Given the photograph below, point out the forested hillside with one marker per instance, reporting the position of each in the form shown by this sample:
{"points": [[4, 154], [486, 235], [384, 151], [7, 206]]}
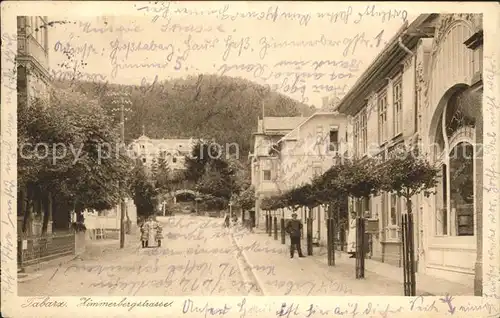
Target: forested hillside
{"points": [[204, 106]]}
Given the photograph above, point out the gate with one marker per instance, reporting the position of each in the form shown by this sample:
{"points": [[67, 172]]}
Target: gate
{"points": [[408, 255]]}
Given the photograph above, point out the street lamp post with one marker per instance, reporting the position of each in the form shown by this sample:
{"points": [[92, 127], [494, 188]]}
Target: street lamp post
{"points": [[121, 99]]}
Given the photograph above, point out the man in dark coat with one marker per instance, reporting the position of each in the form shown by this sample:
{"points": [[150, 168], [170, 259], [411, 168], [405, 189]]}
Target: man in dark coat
{"points": [[294, 229]]}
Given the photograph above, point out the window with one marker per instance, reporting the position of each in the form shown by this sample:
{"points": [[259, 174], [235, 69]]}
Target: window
{"points": [[267, 175], [142, 146], [394, 210], [334, 139], [317, 171], [382, 117], [355, 135], [363, 137], [319, 134], [360, 133], [174, 159], [144, 160], [398, 108], [455, 192], [362, 207], [442, 215]]}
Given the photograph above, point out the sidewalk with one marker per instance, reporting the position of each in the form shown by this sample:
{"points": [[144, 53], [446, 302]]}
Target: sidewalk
{"points": [[278, 274], [426, 285], [380, 279], [94, 249]]}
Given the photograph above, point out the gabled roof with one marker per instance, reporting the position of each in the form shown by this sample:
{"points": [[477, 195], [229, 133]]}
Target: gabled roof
{"points": [[180, 144], [408, 35], [281, 123], [293, 134]]}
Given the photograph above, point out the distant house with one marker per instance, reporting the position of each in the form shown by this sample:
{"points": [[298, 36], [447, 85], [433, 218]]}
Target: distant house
{"points": [[264, 166], [307, 151], [148, 150]]}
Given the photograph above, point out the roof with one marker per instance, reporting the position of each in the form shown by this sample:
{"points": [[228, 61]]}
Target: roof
{"points": [[166, 143], [390, 54], [293, 134], [282, 123]]}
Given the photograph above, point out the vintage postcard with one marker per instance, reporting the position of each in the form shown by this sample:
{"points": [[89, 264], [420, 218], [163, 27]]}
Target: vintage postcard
{"points": [[250, 159]]}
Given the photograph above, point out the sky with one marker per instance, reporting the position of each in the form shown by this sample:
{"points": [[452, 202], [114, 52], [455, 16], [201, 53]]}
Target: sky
{"points": [[305, 50]]}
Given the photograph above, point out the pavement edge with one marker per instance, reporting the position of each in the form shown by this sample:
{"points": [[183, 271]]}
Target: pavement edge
{"points": [[240, 253]]}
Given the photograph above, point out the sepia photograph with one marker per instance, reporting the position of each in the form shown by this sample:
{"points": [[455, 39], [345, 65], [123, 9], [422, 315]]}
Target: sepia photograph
{"points": [[249, 149]]}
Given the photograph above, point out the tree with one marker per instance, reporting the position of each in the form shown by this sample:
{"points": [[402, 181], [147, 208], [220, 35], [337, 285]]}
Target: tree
{"points": [[360, 178], [143, 191], [163, 176], [409, 175], [216, 183], [80, 164], [246, 199], [196, 162]]}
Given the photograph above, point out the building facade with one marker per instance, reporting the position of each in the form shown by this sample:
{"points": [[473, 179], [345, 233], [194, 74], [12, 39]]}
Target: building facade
{"points": [[425, 89], [264, 166], [32, 58], [306, 152], [172, 151]]}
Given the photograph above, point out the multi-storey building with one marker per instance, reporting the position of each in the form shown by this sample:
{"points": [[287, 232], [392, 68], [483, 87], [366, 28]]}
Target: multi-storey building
{"points": [[32, 57], [306, 152], [172, 151], [264, 166], [425, 89]]}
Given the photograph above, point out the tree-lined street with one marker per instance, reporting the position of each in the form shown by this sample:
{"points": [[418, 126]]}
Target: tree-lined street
{"points": [[200, 258]]}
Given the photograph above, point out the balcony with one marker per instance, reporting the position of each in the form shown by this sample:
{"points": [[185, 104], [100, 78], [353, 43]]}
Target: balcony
{"points": [[28, 48]]}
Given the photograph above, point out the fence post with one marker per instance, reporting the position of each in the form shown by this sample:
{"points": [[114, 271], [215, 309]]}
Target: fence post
{"points": [[267, 221], [283, 234], [360, 247], [275, 227], [334, 235], [412, 255], [270, 233], [404, 246], [329, 241], [309, 233]]}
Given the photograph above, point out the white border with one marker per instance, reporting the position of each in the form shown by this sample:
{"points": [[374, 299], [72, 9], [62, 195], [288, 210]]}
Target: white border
{"points": [[12, 306]]}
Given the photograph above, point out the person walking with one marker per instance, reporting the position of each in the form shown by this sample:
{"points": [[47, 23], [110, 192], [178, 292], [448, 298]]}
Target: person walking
{"points": [[294, 229]]}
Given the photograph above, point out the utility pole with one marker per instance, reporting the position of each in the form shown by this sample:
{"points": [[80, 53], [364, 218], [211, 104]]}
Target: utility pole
{"points": [[122, 98]]}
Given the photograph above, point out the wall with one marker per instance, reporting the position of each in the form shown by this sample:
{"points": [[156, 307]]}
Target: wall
{"points": [[301, 157], [450, 65]]}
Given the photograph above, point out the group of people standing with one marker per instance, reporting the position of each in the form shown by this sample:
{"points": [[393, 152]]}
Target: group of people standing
{"points": [[151, 231]]}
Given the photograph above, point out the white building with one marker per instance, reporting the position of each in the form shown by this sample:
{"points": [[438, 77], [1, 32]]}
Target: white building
{"points": [[425, 88], [269, 131], [172, 151], [33, 79], [308, 151]]}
